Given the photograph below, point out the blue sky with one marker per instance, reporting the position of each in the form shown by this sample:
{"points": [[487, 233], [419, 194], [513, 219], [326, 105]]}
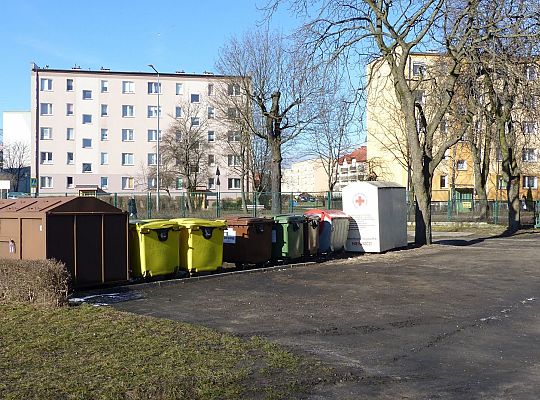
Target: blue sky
{"points": [[118, 34]]}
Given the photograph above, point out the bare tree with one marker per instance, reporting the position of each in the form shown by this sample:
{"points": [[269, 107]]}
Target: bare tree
{"points": [[277, 84], [391, 32], [16, 157], [182, 151]]}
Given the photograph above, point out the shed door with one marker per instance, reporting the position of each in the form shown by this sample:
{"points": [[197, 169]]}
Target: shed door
{"points": [[33, 239], [88, 233], [9, 230], [60, 241]]}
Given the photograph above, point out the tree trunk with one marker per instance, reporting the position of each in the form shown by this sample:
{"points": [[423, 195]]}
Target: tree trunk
{"points": [[275, 148], [422, 194], [514, 208]]}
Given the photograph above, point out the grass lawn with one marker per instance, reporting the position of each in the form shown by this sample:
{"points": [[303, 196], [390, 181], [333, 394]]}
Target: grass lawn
{"points": [[98, 353]]}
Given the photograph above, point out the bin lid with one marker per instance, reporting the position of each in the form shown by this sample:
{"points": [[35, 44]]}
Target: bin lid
{"points": [[284, 218], [155, 224], [326, 215], [239, 220], [337, 214], [196, 222]]}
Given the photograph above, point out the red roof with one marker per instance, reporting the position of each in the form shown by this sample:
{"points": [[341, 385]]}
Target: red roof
{"points": [[360, 155]]}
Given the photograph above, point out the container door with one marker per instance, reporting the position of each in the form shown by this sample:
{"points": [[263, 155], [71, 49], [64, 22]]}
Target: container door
{"points": [[115, 260], [88, 236], [9, 238], [60, 241], [33, 239]]}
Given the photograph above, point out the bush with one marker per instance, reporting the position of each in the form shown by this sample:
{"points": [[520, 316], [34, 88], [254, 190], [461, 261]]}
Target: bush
{"points": [[38, 282]]}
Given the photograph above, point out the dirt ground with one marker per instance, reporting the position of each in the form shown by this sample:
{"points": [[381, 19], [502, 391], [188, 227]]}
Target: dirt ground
{"points": [[456, 320]]}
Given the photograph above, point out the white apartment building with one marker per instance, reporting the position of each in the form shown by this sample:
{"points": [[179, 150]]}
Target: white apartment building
{"points": [[100, 128], [305, 176]]}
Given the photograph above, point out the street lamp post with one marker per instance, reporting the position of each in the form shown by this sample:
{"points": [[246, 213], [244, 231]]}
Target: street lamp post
{"points": [[157, 138]]}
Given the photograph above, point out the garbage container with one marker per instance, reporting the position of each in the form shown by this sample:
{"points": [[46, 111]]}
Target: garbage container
{"points": [[311, 235], [201, 244], [153, 247], [248, 240], [288, 236], [333, 229]]}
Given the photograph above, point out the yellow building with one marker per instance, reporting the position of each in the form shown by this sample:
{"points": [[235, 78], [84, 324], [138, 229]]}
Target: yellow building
{"points": [[387, 142]]}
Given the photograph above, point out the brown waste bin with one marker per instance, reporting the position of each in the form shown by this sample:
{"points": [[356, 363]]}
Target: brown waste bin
{"points": [[311, 235], [248, 240]]}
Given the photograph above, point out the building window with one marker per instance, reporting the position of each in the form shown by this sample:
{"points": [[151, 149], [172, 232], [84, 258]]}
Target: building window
{"points": [[46, 182], [529, 128], [127, 135], [195, 98], [104, 86], [233, 89], [104, 110], [195, 121], [210, 89], [104, 135], [443, 126], [232, 113], [179, 183], [127, 158], [501, 183], [418, 69], [128, 87], [127, 182], [211, 136], [529, 182], [87, 95], [152, 159], [45, 84], [45, 133], [127, 111], [87, 167], [211, 183], [104, 159], [461, 165], [154, 87], [46, 157], [87, 118], [104, 182], [233, 183], [69, 182], [420, 97], [87, 143], [233, 160], [443, 181], [530, 73], [179, 88], [529, 155], [153, 111], [152, 135], [69, 85], [45, 109], [69, 109], [69, 159], [70, 134], [151, 183], [211, 160], [211, 112], [178, 112], [233, 136]]}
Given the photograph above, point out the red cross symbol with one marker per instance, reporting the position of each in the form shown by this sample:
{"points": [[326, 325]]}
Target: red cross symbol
{"points": [[360, 200]]}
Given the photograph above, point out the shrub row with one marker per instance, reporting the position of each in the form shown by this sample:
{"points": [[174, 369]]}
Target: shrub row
{"points": [[38, 282]]}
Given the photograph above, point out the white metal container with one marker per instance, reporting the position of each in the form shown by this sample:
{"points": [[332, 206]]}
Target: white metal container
{"points": [[378, 213]]}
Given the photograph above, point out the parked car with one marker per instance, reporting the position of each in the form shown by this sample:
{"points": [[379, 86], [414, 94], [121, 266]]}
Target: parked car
{"points": [[17, 195]]}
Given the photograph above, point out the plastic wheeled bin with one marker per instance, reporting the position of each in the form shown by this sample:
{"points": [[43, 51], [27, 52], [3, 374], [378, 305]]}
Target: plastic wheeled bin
{"points": [[311, 235], [288, 236], [201, 244], [248, 240], [333, 229], [153, 247]]}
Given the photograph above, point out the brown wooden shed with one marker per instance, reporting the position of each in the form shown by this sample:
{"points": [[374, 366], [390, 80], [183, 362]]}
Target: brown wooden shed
{"points": [[87, 234]]}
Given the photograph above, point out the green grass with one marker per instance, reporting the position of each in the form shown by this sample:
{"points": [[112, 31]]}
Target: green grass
{"points": [[99, 353]]}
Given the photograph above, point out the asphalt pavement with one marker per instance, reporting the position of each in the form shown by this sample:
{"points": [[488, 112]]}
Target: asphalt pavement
{"points": [[456, 320]]}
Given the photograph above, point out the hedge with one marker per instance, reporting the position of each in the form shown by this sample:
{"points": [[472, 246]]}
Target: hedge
{"points": [[38, 282]]}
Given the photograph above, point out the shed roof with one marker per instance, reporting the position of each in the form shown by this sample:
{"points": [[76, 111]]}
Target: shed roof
{"points": [[58, 205]]}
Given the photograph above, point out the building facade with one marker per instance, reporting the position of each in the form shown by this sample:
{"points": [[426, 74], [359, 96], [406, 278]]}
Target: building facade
{"points": [[99, 128], [353, 167], [454, 177], [307, 176]]}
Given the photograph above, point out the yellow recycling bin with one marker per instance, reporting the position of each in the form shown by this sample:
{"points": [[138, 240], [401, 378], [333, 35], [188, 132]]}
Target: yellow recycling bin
{"points": [[201, 244], [154, 247]]}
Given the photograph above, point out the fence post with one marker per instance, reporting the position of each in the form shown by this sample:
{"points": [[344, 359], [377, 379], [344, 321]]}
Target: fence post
{"points": [[148, 205], [254, 204], [116, 199], [496, 212], [218, 210], [449, 210], [329, 200]]}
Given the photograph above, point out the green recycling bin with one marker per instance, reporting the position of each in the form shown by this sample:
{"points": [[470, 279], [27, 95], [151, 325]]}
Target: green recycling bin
{"points": [[201, 244], [288, 236], [153, 247]]}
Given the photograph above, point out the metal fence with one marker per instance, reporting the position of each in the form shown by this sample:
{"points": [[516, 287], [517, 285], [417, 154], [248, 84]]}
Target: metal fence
{"points": [[215, 205]]}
